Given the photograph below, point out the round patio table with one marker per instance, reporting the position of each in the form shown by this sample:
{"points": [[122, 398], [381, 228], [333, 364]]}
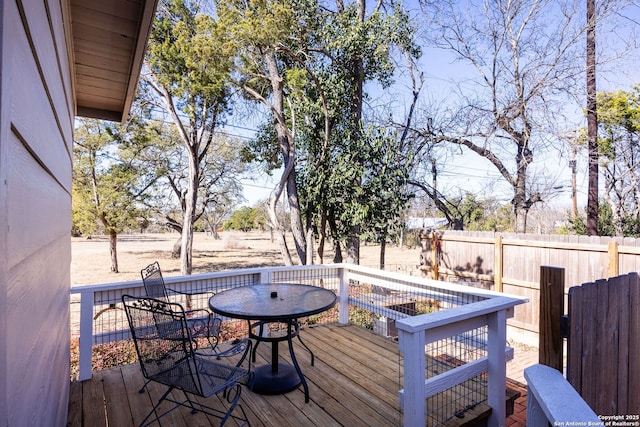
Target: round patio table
{"points": [[263, 304]]}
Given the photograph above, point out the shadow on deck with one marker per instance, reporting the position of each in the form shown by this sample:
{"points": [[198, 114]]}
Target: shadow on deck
{"points": [[354, 382]]}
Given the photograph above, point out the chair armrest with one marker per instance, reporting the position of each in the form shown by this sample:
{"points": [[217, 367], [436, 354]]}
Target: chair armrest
{"points": [[175, 291], [237, 346], [198, 312]]}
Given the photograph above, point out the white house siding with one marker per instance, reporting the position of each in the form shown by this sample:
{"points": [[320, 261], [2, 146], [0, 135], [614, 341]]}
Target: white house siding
{"points": [[36, 126]]}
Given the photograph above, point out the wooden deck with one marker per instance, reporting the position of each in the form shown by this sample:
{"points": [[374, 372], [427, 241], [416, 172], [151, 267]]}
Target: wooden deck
{"points": [[354, 382]]}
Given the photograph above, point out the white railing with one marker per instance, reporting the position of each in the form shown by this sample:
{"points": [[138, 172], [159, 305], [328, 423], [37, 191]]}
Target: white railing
{"points": [[551, 400], [461, 309], [414, 333]]}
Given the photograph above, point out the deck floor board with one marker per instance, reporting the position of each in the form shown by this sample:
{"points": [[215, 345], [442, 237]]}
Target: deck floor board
{"points": [[354, 382]]}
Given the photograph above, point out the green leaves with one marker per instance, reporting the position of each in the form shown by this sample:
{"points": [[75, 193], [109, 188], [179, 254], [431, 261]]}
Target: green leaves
{"points": [[189, 57], [105, 180]]}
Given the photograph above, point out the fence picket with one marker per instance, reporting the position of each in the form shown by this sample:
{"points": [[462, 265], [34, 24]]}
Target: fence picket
{"points": [[574, 344], [589, 343], [621, 297], [634, 345]]}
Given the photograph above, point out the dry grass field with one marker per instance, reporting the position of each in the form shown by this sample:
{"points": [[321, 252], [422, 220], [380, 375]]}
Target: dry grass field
{"points": [[90, 257]]}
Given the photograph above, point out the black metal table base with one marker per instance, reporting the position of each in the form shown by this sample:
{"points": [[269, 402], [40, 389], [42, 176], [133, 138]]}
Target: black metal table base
{"points": [[278, 378], [284, 380]]}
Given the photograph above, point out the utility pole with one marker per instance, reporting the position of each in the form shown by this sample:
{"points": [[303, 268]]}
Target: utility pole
{"points": [[592, 122], [574, 189]]}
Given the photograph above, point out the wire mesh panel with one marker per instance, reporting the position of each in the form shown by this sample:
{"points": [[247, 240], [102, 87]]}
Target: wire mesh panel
{"points": [[325, 277], [445, 355], [376, 304]]}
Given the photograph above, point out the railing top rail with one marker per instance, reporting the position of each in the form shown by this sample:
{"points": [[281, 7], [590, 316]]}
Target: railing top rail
{"points": [[349, 268], [202, 276], [423, 281], [428, 321], [99, 287]]}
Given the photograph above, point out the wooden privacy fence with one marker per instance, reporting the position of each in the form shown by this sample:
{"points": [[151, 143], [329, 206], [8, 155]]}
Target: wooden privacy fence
{"points": [[603, 344], [510, 263]]}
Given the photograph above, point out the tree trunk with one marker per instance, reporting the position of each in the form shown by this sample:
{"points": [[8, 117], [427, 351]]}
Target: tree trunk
{"points": [[383, 248], [287, 148], [357, 67], [521, 219], [353, 245], [177, 248], [592, 122], [297, 229], [337, 257], [186, 249], [113, 241], [322, 235], [276, 230], [309, 249]]}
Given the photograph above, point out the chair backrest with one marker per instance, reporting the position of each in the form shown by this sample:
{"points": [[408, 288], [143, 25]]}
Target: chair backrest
{"points": [[163, 342], [154, 282]]}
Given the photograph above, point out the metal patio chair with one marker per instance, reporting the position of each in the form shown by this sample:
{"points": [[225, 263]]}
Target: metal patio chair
{"points": [[202, 323], [166, 353]]}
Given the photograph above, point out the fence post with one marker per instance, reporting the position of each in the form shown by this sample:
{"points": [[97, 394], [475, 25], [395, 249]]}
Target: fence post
{"points": [[551, 311], [497, 268], [435, 255], [614, 264]]}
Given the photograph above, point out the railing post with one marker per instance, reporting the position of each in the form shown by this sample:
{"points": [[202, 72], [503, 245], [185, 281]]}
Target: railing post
{"points": [[551, 311], [411, 345], [497, 369], [343, 301], [85, 343], [265, 276]]}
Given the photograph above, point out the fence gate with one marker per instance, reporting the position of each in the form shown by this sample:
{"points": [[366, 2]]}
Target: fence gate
{"points": [[603, 346]]}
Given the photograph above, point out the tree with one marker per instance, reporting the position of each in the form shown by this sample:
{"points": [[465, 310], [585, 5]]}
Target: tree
{"points": [[307, 64], [188, 69], [605, 225], [243, 219], [619, 152], [105, 183], [265, 35], [218, 186], [386, 187], [523, 53], [359, 43]]}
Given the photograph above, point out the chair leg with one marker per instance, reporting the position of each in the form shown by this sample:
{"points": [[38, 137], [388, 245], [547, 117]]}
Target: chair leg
{"points": [[244, 356], [233, 397], [193, 408], [143, 386], [154, 410]]}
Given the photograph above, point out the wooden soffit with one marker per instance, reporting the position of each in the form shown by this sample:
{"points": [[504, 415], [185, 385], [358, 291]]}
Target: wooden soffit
{"points": [[109, 42]]}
